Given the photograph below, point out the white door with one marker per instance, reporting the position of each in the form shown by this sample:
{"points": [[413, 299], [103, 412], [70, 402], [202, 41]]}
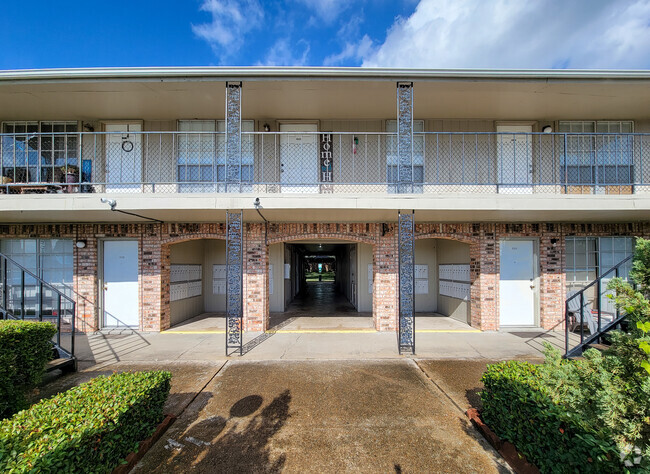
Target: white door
{"points": [[120, 283], [515, 159], [299, 158], [124, 157], [517, 283]]}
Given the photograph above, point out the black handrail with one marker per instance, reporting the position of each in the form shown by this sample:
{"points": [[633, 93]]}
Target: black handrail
{"points": [[41, 284], [600, 330]]}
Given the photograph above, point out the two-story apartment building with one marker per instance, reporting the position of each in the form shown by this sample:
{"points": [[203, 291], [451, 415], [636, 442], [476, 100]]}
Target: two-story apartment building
{"points": [[521, 184]]}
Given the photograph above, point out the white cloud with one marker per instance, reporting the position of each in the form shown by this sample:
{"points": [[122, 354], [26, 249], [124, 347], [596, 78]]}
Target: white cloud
{"points": [[282, 53], [231, 20], [356, 51], [517, 34], [327, 10]]}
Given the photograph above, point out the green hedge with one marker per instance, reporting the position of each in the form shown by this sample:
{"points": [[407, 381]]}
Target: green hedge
{"points": [[26, 348], [90, 428], [518, 407]]}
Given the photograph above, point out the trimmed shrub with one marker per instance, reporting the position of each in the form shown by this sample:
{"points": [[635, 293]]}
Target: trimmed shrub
{"points": [[518, 406], [90, 428], [26, 347]]}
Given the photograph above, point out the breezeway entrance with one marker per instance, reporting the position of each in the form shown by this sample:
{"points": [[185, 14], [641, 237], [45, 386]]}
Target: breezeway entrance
{"points": [[320, 286]]}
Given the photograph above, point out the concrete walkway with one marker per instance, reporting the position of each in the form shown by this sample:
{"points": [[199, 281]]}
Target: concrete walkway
{"points": [[311, 402], [403, 415], [131, 346], [321, 416]]}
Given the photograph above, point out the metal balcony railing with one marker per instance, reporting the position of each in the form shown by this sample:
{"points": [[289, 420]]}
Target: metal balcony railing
{"points": [[325, 162]]}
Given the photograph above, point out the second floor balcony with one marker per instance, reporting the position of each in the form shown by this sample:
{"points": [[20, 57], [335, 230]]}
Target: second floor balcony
{"points": [[320, 162]]}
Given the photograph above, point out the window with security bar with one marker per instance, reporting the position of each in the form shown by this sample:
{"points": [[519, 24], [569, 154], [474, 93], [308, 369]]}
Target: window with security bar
{"points": [[49, 259], [589, 257], [35, 152], [597, 153], [392, 157], [202, 156]]}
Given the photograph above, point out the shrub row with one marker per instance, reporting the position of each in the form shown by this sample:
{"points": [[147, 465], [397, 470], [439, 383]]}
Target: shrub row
{"points": [[518, 406], [26, 347], [90, 428]]}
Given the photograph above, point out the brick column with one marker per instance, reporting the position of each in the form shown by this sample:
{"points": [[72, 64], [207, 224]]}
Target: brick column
{"points": [[552, 278], [255, 284], [85, 282], [386, 281], [485, 278], [152, 294]]}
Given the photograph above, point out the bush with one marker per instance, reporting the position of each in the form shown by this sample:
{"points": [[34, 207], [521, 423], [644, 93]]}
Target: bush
{"points": [[589, 414], [26, 347], [90, 428], [519, 407]]}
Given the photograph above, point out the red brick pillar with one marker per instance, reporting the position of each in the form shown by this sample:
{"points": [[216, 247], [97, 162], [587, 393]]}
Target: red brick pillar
{"points": [[255, 284], [385, 290], [85, 281], [485, 279], [552, 279], [152, 292]]}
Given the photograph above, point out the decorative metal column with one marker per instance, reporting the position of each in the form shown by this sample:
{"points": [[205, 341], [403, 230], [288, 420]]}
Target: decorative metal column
{"points": [[404, 137], [234, 282], [233, 136], [406, 256]]}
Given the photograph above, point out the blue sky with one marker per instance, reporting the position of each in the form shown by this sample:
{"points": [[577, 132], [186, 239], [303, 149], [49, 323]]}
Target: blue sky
{"points": [[379, 33]]}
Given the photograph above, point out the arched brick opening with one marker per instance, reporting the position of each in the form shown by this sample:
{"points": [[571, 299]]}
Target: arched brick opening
{"points": [[165, 266], [329, 236], [473, 242]]}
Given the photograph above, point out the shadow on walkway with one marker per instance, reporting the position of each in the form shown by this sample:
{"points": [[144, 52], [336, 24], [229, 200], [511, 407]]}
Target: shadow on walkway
{"points": [[208, 447]]}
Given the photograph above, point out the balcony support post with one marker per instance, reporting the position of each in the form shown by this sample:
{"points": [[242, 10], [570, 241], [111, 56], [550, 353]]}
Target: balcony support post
{"points": [[233, 176], [234, 281], [405, 137], [406, 258]]}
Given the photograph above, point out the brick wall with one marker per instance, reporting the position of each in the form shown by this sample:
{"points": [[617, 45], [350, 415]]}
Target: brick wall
{"points": [[155, 241]]}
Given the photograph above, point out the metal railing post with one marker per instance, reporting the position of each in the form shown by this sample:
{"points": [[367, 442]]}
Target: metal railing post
{"points": [[40, 301], [58, 320], [582, 316], [22, 294], [598, 291], [616, 274], [566, 328], [72, 330], [5, 284]]}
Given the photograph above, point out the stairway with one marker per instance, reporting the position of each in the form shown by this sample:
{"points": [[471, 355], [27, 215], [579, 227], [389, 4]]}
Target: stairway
{"points": [[578, 313], [25, 296]]}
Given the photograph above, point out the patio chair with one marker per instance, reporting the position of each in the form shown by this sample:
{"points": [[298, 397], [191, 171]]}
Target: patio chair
{"points": [[574, 314]]}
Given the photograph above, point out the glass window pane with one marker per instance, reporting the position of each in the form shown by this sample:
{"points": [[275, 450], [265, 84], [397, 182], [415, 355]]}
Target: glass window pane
{"points": [[619, 243]]}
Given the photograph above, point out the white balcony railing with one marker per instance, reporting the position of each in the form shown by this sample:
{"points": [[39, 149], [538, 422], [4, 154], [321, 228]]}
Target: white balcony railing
{"points": [[325, 162]]}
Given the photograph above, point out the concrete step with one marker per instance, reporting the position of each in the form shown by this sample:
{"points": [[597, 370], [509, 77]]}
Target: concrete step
{"points": [[63, 364]]}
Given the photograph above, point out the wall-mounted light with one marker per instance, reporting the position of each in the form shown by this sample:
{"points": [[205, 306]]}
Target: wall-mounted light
{"points": [[80, 244], [88, 127], [267, 127], [547, 129]]}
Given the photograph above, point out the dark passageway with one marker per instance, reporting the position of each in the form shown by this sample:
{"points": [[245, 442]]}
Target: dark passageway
{"points": [[326, 284]]}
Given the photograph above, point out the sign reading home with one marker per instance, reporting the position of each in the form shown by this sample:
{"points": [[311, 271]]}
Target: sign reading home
{"points": [[326, 158]]}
